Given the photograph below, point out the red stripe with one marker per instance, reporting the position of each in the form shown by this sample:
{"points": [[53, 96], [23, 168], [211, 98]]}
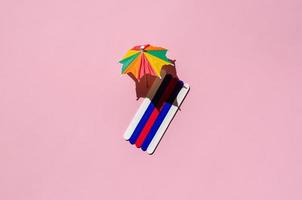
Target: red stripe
{"points": [[145, 67], [155, 113]]}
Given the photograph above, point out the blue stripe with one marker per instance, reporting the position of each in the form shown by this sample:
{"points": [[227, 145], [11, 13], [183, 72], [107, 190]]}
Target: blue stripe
{"points": [[162, 115], [150, 109]]}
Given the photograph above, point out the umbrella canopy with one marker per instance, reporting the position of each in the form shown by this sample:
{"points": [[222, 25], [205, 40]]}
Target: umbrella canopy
{"points": [[144, 59]]}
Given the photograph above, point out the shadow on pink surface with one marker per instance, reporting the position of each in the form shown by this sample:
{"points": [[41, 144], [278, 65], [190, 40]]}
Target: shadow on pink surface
{"points": [[143, 85]]}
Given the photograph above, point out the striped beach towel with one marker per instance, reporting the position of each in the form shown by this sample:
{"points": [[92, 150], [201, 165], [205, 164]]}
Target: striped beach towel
{"points": [[156, 113]]}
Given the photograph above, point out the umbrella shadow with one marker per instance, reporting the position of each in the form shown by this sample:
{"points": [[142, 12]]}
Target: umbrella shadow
{"points": [[143, 86]]}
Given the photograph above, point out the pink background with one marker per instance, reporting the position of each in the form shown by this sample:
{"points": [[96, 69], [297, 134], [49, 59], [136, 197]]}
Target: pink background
{"points": [[64, 106]]}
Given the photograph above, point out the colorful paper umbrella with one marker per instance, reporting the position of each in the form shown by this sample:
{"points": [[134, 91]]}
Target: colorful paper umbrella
{"points": [[145, 59]]}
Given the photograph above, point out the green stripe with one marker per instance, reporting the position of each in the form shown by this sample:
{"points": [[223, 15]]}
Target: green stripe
{"points": [[160, 54], [127, 61]]}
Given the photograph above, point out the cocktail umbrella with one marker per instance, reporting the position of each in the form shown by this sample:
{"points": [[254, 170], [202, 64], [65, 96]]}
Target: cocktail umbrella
{"points": [[144, 59]]}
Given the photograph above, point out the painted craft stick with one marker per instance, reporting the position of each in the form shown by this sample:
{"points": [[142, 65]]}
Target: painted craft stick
{"points": [[140, 112], [154, 116], [162, 115], [154, 102], [168, 118]]}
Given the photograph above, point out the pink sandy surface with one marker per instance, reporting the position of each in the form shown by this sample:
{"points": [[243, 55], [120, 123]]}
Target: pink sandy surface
{"points": [[64, 107]]}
